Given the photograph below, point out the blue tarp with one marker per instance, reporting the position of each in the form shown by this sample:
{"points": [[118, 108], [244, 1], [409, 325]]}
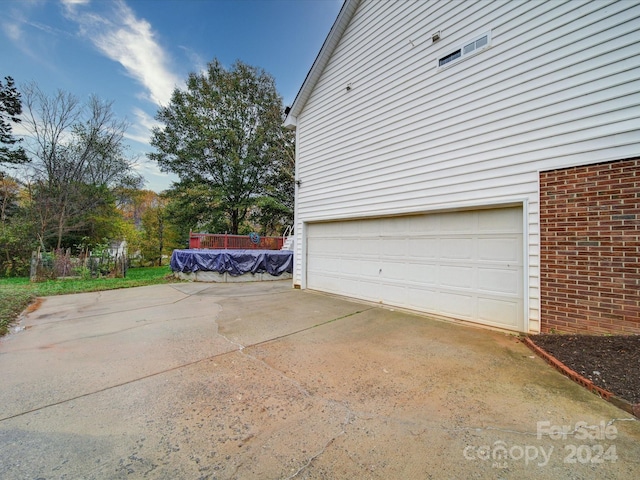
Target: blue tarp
{"points": [[234, 262]]}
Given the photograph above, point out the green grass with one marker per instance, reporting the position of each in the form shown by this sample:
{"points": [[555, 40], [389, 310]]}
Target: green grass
{"points": [[17, 293]]}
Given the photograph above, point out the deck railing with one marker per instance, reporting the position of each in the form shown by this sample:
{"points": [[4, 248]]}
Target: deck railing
{"points": [[233, 242]]}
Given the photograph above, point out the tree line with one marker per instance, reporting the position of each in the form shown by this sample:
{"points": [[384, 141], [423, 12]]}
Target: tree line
{"points": [[68, 181]]}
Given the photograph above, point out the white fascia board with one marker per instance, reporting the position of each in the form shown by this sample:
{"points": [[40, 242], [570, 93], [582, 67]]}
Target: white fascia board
{"points": [[338, 28]]}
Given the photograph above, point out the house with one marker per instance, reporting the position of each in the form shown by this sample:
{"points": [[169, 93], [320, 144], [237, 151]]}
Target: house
{"points": [[117, 248], [475, 160]]}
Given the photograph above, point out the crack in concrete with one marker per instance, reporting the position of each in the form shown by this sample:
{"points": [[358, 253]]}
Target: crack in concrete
{"points": [[349, 413], [280, 373], [311, 459], [239, 345], [177, 367], [241, 348]]}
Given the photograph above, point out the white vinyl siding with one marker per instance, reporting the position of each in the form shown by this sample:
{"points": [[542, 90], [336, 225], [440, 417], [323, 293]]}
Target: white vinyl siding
{"points": [[558, 86]]}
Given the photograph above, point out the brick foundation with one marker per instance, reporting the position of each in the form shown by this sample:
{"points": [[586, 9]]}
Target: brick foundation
{"points": [[590, 248]]}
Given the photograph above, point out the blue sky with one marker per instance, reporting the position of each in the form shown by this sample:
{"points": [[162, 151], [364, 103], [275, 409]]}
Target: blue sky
{"points": [[134, 52]]}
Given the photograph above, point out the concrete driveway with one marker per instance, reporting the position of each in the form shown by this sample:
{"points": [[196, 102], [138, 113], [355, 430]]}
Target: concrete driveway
{"points": [[259, 381]]}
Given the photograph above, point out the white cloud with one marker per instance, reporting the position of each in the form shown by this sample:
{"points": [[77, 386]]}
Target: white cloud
{"points": [[196, 59], [12, 30], [156, 180], [140, 130], [130, 41], [24, 34], [20, 130]]}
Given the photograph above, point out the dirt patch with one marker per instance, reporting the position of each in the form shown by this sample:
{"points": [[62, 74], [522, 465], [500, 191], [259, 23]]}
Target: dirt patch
{"points": [[33, 306], [610, 362]]}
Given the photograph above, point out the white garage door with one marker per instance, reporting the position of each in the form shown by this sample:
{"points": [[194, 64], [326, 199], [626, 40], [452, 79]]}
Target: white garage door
{"points": [[466, 265]]}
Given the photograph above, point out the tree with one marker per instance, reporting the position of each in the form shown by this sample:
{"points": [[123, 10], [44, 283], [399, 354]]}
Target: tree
{"points": [[159, 237], [78, 158], [10, 110], [133, 202], [16, 229], [276, 207], [9, 190], [194, 206], [224, 133]]}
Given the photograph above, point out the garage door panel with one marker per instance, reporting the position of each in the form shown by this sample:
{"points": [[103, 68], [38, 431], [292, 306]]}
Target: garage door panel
{"points": [[489, 309], [363, 289], [423, 247], [457, 276], [466, 265], [396, 295], [456, 248], [333, 229], [394, 270], [425, 224], [349, 265], [369, 268], [337, 284], [496, 249], [458, 222], [459, 305], [422, 298], [422, 274], [365, 227], [499, 281], [500, 220], [393, 246], [392, 225], [324, 264], [325, 245], [330, 283], [357, 246]]}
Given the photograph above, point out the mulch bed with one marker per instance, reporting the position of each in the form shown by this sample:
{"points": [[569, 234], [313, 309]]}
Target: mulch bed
{"points": [[609, 362]]}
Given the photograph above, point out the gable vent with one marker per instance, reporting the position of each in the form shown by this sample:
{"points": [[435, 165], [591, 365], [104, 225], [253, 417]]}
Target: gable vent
{"points": [[481, 42], [450, 58], [474, 46]]}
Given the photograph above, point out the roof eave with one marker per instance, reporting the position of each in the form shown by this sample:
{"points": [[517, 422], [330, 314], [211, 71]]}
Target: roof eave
{"points": [[290, 122]]}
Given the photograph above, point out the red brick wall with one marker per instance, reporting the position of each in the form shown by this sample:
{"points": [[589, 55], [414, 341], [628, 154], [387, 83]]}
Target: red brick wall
{"points": [[590, 248]]}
